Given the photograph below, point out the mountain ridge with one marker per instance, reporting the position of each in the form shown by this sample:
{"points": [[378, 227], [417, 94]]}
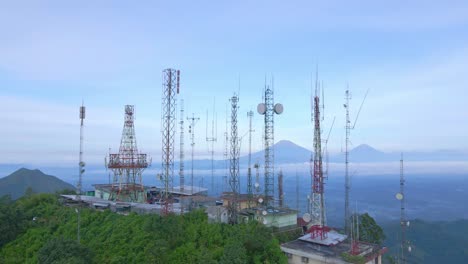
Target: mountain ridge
{"points": [[20, 180]]}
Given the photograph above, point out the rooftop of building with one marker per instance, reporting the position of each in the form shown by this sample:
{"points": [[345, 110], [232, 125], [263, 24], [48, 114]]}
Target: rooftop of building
{"points": [[330, 248], [274, 211]]}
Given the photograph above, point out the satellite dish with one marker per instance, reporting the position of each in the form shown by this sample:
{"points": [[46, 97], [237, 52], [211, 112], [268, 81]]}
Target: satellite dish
{"points": [[407, 223], [261, 108], [278, 108], [264, 212], [265, 221], [409, 248], [399, 196], [260, 200], [306, 217], [257, 185]]}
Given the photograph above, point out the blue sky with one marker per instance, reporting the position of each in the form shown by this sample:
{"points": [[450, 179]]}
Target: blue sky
{"points": [[54, 54]]}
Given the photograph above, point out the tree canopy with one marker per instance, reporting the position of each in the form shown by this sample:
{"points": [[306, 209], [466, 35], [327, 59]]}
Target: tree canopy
{"points": [[47, 233]]}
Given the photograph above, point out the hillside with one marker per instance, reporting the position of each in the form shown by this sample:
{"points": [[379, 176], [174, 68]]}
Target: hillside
{"points": [[107, 237], [19, 181]]}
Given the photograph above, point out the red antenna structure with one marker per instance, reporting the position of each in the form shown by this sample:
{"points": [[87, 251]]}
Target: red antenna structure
{"points": [[318, 228], [128, 164], [170, 90]]}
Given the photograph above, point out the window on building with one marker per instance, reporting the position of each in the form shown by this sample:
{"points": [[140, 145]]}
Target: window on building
{"points": [[305, 260]]}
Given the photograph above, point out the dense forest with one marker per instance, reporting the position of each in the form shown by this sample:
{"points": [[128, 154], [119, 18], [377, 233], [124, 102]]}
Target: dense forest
{"points": [[38, 229]]}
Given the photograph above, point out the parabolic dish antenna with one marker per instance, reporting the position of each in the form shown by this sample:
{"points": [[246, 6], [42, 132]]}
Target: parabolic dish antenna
{"points": [[264, 212], [257, 185], [278, 108], [409, 248], [260, 200], [399, 196], [306, 217], [265, 221], [261, 108]]}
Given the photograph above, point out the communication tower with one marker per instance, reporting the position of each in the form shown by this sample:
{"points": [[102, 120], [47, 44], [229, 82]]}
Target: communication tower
{"points": [[280, 189], [212, 139], [81, 169], [268, 109], [170, 89], [128, 164], [249, 169], [348, 128], [234, 161], [318, 225], [404, 223], [193, 120], [181, 155]]}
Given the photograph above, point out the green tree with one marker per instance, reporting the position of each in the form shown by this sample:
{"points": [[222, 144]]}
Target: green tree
{"points": [[60, 250], [12, 220], [369, 230], [234, 253]]}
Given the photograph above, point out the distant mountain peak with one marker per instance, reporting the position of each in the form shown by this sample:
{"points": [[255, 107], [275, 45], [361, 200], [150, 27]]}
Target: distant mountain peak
{"points": [[365, 148], [285, 142]]}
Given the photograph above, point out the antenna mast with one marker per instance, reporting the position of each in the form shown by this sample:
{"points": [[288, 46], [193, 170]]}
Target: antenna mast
{"points": [[280, 189], [193, 120], [211, 139], [347, 184], [249, 169], [81, 168], [403, 221], [234, 161], [347, 180], [181, 155]]}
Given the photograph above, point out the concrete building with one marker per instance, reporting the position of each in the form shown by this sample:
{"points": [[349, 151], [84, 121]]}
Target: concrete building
{"points": [[332, 249], [242, 200], [104, 191], [217, 214], [280, 218]]}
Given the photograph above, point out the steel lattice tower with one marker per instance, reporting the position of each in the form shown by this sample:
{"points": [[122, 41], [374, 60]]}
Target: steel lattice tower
{"points": [[234, 161], [318, 228], [128, 164], [268, 109], [249, 169], [170, 90]]}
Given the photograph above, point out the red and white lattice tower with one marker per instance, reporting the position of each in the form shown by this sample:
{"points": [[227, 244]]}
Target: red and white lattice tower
{"points": [[318, 228], [170, 90], [128, 164]]}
